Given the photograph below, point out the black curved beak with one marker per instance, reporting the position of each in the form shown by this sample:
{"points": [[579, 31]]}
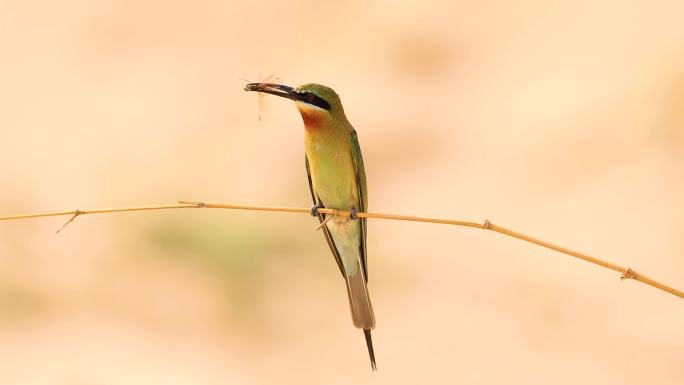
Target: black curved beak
{"points": [[275, 89]]}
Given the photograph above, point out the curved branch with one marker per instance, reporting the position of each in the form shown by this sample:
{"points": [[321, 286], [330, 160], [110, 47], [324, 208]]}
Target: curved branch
{"points": [[626, 272]]}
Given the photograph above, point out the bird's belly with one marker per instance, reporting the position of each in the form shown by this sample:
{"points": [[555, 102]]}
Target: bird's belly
{"points": [[346, 235], [334, 181]]}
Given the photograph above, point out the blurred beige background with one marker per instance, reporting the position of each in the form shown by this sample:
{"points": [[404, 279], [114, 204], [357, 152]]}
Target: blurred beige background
{"points": [[564, 120]]}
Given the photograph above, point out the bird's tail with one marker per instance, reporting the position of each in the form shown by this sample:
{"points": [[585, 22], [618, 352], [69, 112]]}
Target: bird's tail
{"points": [[361, 308], [369, 343]]}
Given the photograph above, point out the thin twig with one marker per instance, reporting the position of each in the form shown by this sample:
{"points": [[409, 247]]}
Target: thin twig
{"points": [[325, 222], [626, 272], [100, 211], [77, 213]]}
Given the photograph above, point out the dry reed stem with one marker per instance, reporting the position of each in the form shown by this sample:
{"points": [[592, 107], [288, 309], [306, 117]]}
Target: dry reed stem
{"points": [[626, 272]]}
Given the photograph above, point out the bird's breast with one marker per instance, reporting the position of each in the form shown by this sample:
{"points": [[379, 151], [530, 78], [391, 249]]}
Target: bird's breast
{"points": [[332, 173]]}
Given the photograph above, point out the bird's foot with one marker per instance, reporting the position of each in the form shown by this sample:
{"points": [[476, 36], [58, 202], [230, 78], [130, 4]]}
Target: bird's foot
{"points": [[314, 209], [352, 214]]}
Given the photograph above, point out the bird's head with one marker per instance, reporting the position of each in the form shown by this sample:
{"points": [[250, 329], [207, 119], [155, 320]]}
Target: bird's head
{"points": [[316, 103]]}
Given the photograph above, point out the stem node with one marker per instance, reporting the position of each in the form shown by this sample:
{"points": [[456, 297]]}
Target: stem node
{"points": [[628, 274]]}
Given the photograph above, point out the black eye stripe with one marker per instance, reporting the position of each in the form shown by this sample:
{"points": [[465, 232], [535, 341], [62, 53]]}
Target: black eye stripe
{"points": [[313, 99]]}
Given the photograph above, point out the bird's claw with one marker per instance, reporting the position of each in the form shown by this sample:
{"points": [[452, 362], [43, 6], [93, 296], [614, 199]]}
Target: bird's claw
{"points": [[314, 209], [352, 214]]}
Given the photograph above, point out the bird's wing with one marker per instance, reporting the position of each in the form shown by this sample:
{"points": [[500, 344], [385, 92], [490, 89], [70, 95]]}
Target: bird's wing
{"points": [[321, 218], [360, 172]]}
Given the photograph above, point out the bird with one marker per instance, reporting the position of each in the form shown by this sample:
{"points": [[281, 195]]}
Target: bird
{"points": [[337, 180]]}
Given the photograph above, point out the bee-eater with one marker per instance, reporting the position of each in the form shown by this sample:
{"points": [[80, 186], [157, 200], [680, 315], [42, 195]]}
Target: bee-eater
{"points": [[337, 180]]}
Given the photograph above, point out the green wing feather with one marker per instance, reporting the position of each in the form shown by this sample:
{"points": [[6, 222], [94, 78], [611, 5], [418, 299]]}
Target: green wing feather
{"points": [[321, 218], [362, 193]]}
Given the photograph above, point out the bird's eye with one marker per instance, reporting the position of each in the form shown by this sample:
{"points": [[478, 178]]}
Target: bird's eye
{"points": [[312, 99]]}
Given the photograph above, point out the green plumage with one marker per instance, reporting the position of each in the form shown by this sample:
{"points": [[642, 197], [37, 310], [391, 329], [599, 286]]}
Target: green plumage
{"points": [[337, 180]]}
